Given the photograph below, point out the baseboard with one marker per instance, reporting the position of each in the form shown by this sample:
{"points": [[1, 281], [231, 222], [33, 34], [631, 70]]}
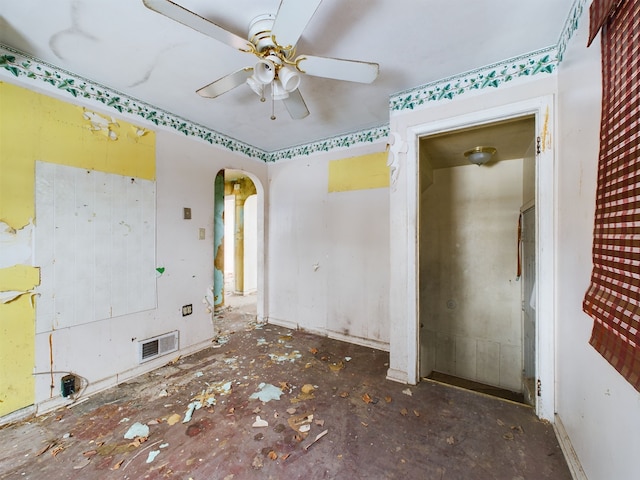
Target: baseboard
{"points": [[51, 404], [278, 322], [399, 376], [363, 342], [577, 473], [18, 415]]}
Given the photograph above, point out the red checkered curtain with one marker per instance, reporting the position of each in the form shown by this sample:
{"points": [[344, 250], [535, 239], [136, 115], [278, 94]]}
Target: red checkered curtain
{"points": [[598, 13], [613, 298]]}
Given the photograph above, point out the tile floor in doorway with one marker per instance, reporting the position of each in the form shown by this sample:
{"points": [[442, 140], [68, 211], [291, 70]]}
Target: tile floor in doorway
{"points": [[366, 426]]}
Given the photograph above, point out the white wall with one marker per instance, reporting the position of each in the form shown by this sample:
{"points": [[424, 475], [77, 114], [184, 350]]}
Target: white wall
{"points": [[328, 252], [105, 352], [599, 409], [250, 244]]}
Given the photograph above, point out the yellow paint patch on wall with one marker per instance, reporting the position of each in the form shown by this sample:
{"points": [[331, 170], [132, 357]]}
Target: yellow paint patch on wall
{"points": [[19, 277], [359, 173], [17, 354], [36, 127], [17, 331]]}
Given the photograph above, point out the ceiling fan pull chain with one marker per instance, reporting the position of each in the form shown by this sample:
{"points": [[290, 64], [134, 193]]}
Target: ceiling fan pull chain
{"points": [[273, 104]]}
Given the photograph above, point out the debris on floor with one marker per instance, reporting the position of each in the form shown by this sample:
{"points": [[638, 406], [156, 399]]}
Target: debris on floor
{"points": [[259, 423], [137, 430], [216, 414], [266, 392], [318, 437]]}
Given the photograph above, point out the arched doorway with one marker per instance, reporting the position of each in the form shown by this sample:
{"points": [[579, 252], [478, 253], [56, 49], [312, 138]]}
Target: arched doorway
{"points": [[236, 244]]}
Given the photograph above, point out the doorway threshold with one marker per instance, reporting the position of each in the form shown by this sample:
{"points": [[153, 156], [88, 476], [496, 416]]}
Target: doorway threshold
{"points": [[478, 387]]}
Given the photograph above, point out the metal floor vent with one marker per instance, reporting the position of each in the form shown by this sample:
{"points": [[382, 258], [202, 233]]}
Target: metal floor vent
{"points": [[157, 346]]}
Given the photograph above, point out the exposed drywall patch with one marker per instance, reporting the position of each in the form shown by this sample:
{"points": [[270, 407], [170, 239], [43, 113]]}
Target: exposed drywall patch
{"points": [[15, 244], [101, 124], [99, 227], [359, 173], [135, 133]]}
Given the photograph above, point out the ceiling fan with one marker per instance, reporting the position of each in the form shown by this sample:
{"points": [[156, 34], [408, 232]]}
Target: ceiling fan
{"points": [[272, 40]]}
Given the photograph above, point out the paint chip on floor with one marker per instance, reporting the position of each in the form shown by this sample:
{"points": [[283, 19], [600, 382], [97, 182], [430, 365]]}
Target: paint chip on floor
{"points": [[266, 393]]}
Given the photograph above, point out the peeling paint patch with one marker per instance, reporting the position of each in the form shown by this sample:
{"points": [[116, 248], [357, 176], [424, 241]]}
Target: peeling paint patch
{"points": [[15, 245], [19, 278], [101, 124], [11, 295]]}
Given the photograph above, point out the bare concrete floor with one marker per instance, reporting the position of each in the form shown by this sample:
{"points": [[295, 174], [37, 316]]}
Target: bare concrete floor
{"points": [[375, 429]]}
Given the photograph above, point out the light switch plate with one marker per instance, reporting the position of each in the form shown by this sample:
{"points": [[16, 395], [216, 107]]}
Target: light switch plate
{"points": [[187, 213], [201, 234]]}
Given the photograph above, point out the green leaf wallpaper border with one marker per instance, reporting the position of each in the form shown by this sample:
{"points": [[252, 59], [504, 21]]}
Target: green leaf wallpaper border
{"points": [[17, 64], [493, 76]]}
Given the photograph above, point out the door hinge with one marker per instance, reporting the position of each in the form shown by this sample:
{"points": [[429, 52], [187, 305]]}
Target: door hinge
{"points": [[539, 388], [538, 145]]}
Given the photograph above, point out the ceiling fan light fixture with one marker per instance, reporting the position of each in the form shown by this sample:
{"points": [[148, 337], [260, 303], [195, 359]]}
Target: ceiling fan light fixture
{"points": [[480, 155], [256, 86], [278, 91], [289, 78], [264, 71]]}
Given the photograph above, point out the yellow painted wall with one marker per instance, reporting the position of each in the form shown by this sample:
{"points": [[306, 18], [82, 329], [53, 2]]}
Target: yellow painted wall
{"points": [[36, 127], [359, 173]]}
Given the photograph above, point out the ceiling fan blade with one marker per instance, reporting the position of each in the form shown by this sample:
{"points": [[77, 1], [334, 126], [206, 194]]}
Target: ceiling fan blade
{"points": [[226, 83], [295, 105], [291, 20], [338, 69], [195, 21]]}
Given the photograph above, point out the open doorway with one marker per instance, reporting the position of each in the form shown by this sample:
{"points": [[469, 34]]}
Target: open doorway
{"points": [[473, 331], [235, 250]]}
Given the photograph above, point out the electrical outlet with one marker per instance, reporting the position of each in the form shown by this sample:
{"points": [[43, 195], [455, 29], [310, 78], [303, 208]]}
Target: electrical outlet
{"points": [[68, 385], [187, 310], [202, 234]]}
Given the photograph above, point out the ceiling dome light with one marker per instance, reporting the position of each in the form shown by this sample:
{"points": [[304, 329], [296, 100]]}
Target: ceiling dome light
{"points": [[480, 155]]}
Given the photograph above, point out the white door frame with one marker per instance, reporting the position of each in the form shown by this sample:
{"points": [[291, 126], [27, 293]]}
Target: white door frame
{"points": [[546, 203]]}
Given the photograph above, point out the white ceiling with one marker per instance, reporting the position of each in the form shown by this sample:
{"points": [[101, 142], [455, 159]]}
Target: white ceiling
{"points": [[512, 139], [125, 46]]}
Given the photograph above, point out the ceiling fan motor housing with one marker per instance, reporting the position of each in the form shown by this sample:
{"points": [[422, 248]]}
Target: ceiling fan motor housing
{"points": [[260, 32]]}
